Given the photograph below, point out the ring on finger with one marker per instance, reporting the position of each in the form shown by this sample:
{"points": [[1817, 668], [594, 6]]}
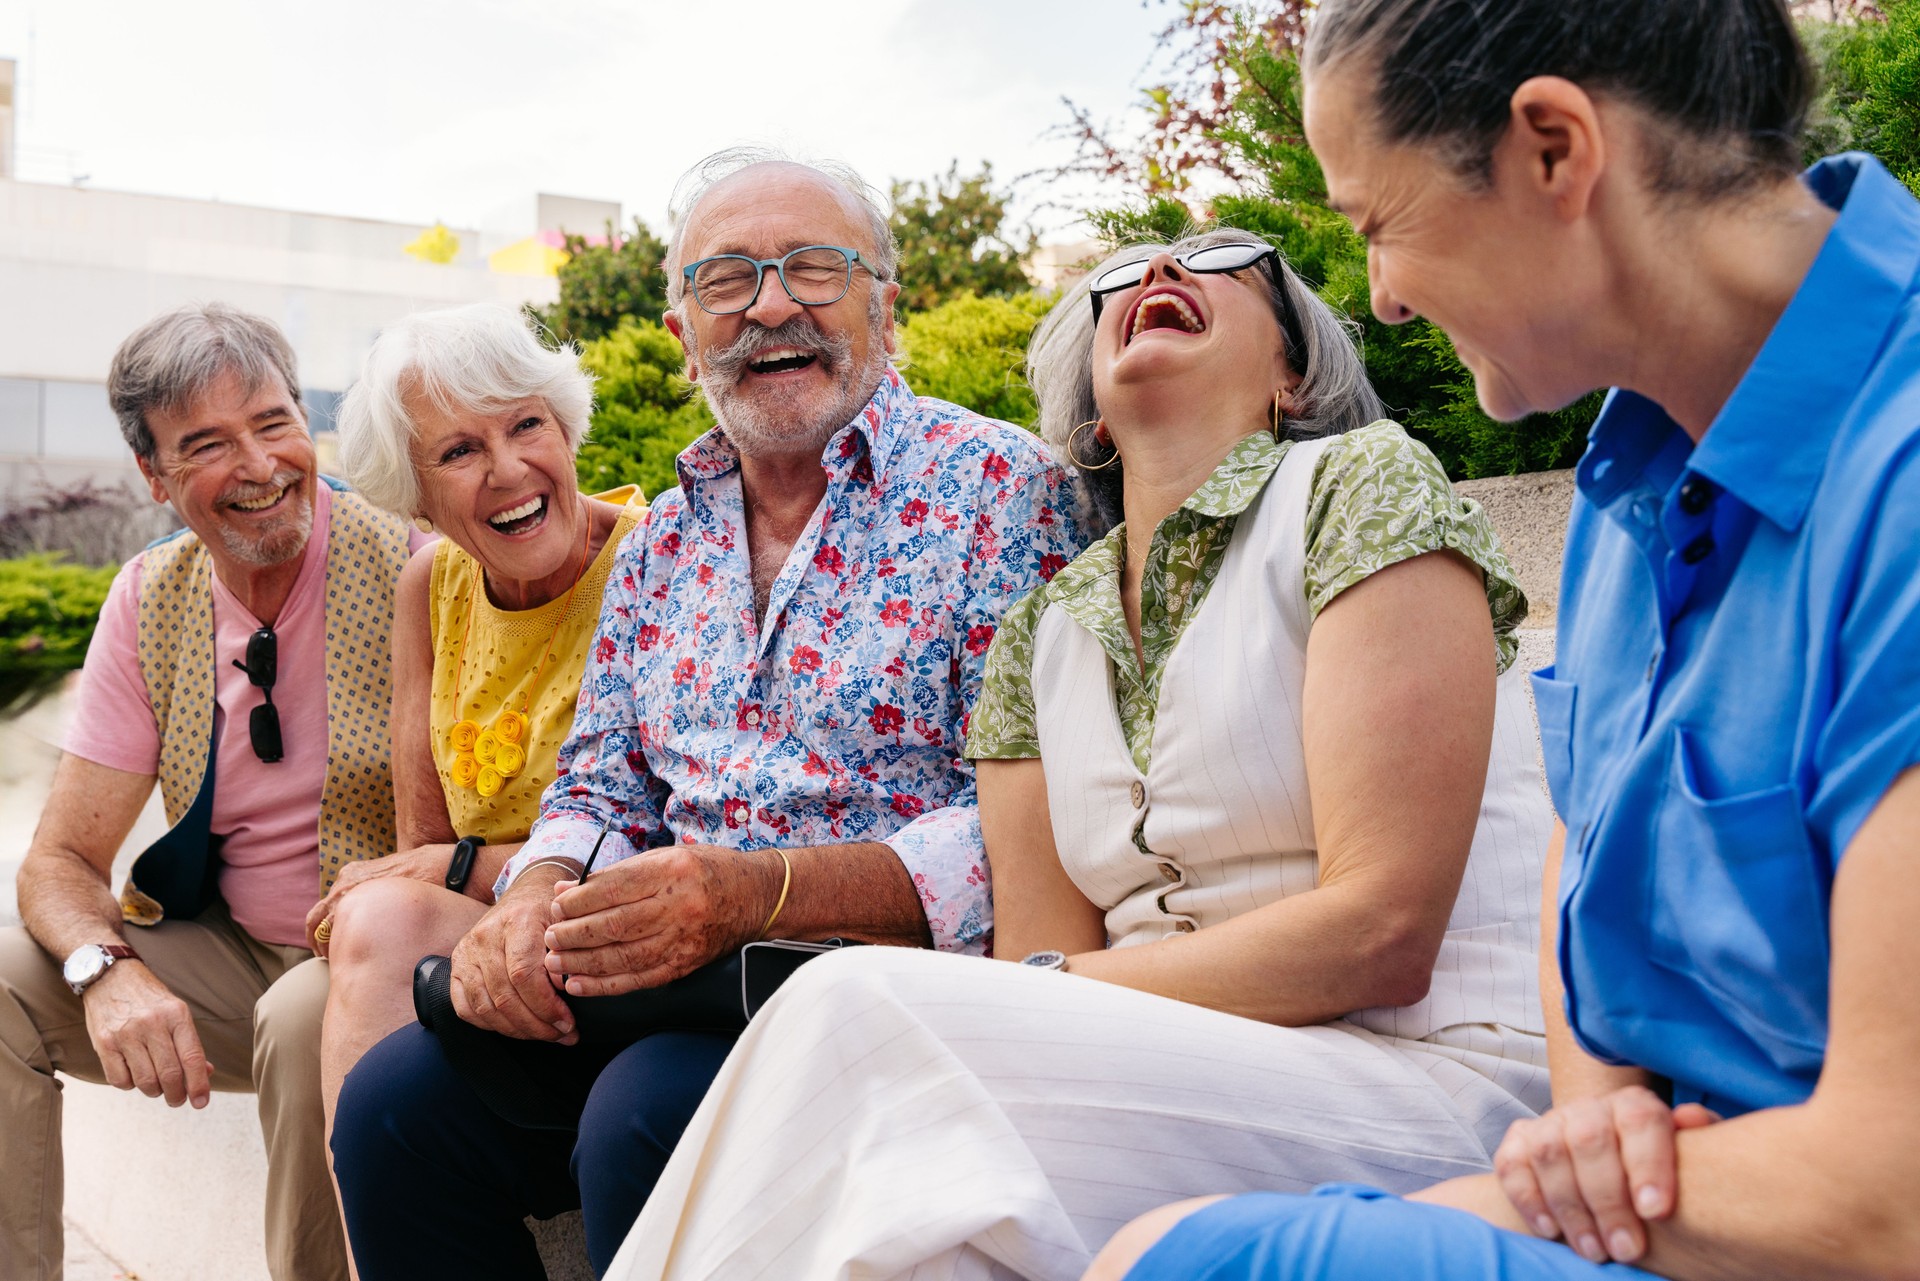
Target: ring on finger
{"points": [[323, 931]]}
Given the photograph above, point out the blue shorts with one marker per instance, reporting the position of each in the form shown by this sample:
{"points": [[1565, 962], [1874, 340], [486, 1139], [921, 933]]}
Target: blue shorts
{"points": [[1347, 1232]]}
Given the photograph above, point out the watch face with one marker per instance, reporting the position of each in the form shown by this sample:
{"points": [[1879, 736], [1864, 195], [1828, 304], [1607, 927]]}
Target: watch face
{"points": [[85, 965]]}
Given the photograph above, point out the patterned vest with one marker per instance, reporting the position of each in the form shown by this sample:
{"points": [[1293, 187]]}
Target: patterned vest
{"points": [[366, 550]]}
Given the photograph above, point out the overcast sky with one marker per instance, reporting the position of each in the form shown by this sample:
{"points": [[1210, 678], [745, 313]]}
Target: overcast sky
{"points": [[416, 110]]}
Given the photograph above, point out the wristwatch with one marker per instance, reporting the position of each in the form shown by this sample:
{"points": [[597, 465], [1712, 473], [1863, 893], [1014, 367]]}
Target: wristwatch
{"points": [[1045, 960], [460, 866], [91, 960]]}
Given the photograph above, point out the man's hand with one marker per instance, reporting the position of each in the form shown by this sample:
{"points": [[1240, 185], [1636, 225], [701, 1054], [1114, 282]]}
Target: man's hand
{"points": [[145, 1037], [653, 918], [1596, 1171], [425, 863], [498, 980]]}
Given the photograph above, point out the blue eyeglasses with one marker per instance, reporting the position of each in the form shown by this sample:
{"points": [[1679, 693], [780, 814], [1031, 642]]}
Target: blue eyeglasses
{"points": [[812, 275]]}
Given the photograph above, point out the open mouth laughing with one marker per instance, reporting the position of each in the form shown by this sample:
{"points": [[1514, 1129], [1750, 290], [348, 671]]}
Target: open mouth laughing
{"points": [[782, 360], [1164, 308], [265, 500], [521, 518]]}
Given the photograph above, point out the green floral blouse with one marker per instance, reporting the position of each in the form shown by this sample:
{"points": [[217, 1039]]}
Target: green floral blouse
{"points": [[1378, 497]]}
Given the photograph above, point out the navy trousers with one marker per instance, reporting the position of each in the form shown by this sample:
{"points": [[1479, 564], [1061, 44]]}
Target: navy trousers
{"points": [[434, 1183]]}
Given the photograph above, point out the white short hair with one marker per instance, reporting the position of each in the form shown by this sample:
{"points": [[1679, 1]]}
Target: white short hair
{"points": [[473, 358]]}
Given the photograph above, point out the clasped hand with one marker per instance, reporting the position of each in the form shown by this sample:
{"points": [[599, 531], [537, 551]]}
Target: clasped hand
{"points": [[1597, 1171], [639, 923]]}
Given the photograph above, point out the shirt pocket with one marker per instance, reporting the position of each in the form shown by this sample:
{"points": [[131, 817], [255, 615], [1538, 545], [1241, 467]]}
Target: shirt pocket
{"points": [[1737, 907], [1553, 709]]}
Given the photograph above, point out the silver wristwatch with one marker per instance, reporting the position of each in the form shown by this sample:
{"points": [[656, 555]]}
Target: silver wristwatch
{"points": [[1045, 960], [90, 961]]}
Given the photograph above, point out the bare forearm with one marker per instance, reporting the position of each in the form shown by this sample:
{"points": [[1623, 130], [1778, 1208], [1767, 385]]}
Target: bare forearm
{"points": [[65, 902], [1303, 960], [860, 892]]}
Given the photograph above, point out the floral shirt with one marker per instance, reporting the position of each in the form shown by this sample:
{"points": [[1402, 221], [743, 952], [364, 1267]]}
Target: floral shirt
{"points": [[1378, 497], [838, 718]]}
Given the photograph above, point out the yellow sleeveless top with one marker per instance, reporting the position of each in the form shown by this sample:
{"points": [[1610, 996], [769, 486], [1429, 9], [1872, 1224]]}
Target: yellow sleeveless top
{"points": [[503, 653]]}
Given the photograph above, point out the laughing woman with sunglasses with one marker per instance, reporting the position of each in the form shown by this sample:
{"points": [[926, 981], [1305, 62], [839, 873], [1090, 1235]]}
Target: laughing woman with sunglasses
{"points": [[1255, 772]]}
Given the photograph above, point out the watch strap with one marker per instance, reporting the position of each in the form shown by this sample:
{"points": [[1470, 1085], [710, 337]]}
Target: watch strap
{"points": [[460, 866], [120, 951]]}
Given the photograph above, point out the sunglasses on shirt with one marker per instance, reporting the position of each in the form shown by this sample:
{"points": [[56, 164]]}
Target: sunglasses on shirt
{"points": [[261, 667]]}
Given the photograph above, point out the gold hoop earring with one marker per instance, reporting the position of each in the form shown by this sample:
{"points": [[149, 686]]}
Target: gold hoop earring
{"points": [[422, 524], [1073, 452], [1278, 416]]}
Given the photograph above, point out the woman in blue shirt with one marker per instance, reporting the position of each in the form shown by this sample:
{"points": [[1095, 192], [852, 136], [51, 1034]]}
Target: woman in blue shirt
{"points": [[1587, 193]]}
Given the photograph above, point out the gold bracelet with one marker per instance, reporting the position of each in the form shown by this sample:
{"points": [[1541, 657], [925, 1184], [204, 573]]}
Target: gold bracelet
{"points": [[786, 883]]}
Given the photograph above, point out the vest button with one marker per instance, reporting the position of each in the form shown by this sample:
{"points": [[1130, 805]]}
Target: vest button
{"points": [[1185, 927], [1139, 793]]}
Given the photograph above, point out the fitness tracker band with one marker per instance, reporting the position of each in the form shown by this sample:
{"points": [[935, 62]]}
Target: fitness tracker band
{"points": [[460, 866]]}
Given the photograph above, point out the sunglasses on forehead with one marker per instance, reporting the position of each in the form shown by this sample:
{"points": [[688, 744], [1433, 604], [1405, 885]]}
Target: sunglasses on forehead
{"points": [[1236, 255], [262, 668]]}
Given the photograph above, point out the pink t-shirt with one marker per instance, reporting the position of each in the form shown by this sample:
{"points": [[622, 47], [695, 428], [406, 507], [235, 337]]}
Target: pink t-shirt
{"points": [[269, 814]]}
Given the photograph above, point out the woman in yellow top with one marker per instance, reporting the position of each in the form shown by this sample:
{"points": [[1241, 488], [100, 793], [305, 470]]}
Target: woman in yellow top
{"points": [[464, 421]]}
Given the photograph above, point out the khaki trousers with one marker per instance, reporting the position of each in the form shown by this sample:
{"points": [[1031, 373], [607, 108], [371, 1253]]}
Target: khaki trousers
{"points": [[257, 1008]]}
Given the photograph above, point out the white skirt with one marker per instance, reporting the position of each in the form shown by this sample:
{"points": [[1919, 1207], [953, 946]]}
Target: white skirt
{"points": [[899, 1113]]}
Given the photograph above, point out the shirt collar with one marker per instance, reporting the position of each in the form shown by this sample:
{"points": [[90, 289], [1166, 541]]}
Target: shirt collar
{"points": [[1768, 445], [873, 431]]}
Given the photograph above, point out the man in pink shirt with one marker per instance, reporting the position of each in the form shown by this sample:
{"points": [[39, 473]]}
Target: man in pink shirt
{"points": [[253, 650]]}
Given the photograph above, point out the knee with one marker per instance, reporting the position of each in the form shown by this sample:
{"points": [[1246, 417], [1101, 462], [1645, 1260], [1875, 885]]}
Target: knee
{"points": [[24, 967], [862, 978], [384, 926]]}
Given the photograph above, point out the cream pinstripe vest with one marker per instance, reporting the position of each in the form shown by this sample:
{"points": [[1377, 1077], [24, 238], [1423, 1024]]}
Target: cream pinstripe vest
{"points": [[366, 550], [1224, 806]]}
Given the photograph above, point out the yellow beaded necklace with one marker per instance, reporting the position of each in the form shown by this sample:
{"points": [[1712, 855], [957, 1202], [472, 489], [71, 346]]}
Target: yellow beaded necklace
{"points": [[484, 759]]}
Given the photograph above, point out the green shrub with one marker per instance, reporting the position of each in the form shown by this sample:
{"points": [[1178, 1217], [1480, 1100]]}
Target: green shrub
{"points": [[971, 351], [1870, 73], [48, 608], [645, 411]]}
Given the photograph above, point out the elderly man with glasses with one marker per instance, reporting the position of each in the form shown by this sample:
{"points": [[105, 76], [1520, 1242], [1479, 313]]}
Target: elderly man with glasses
{"points": [[770, 721], [250, 649]]}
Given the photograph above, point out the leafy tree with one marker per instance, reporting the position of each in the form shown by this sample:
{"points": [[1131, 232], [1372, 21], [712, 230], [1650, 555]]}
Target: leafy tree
{"points": [[1872, 88], [971, 351], [602, 284], [48, 608], [646, 411], [954, 240]]}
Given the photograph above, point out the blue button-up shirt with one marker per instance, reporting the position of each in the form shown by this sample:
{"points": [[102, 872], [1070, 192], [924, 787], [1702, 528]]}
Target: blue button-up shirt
{"points": [[838, 716], [1738, 675]]}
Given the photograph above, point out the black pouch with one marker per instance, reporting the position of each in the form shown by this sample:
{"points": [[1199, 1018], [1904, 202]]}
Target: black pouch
{"points": [[539, 1085]]}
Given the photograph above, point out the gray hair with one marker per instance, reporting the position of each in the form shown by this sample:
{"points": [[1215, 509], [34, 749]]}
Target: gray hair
{"points": [[1333, 395], [173, 358], [1724, 84], [462, 359], [721, 165]]}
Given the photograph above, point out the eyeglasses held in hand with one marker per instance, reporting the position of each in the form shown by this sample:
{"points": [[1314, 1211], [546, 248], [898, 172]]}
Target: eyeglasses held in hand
{"points": [[261, 667], [1211, 260], [812, 275]]}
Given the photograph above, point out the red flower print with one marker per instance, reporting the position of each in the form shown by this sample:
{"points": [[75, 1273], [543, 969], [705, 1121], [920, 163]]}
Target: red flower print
{"points": [[887, 719], [997, 468], [605, 650], [683, 671], [907, 806], [884, 567], [636, 762], [746, 715], [979, 637], [738, 813], [648, 636], [668, 546], [805, 660], [896, 613], [1051, 564], [828, 560], [703, 575], [814, 766], [913, 513]]}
